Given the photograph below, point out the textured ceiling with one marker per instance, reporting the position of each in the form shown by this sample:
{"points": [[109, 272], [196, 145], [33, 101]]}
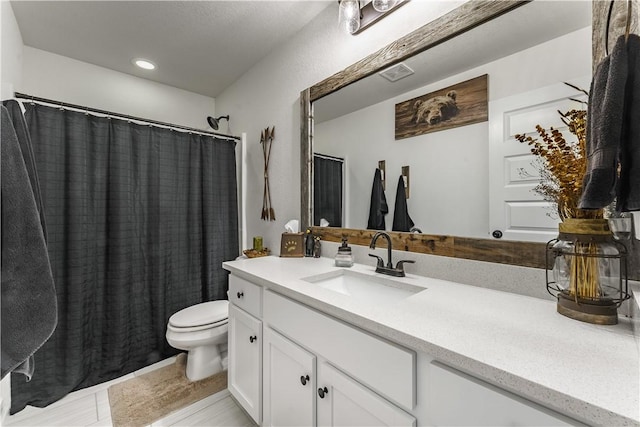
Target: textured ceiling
{"points": [[200, 46]]}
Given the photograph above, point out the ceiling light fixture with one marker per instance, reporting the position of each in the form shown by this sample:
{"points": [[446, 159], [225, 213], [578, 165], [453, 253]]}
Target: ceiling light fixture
{"points": [[144, 63], [349, 15], [383, 5], [355, 18]]}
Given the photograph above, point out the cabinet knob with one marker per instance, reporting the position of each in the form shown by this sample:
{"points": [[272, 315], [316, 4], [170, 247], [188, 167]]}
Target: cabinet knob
{"points": [[240, 294], [304, 379], [253, 338], [322, 391]]}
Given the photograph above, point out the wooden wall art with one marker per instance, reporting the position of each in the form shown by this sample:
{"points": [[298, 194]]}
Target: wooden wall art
{"points": [[266, 140], [458, 105]]}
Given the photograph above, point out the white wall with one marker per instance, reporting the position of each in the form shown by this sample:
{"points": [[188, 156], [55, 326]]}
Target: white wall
{"points": [[449, 169], [60, 78], [10, 51], [47, 75], [269, 95]]}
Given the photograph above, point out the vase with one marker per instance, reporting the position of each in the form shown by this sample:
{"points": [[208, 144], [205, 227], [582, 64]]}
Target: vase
{"points": [[588, 271]]}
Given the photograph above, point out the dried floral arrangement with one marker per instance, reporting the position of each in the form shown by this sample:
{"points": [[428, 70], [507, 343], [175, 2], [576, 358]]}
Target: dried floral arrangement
{"points": [[563, 164]]}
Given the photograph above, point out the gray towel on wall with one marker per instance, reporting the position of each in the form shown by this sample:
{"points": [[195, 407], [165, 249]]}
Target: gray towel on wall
{"points": [[629, 186], [24, 140], [604, 128], [29, 309]]}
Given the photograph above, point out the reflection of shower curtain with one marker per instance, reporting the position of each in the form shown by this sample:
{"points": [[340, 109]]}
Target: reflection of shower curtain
{"points": [[327, 189], [139, 221]]}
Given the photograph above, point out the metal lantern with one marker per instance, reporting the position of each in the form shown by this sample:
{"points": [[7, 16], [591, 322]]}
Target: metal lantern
{"points": [[586, 271]]}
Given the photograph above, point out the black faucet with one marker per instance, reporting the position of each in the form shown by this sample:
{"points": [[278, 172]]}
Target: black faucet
{"points": [[398, 271]]}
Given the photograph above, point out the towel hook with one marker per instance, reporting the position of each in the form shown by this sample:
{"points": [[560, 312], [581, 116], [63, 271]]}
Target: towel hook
{"points": [[627, 25]]}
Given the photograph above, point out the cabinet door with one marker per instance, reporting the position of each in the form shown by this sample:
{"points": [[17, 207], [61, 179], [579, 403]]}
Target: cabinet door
{"points": [[457, 399], [344, 402], [245, 360], [289, 382]]}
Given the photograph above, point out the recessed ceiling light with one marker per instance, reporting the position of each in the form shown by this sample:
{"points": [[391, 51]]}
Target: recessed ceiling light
{"points": [[144, 63]]}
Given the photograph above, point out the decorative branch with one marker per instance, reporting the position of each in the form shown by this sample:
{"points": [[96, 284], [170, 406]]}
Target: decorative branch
{"points": [[266, 140]]}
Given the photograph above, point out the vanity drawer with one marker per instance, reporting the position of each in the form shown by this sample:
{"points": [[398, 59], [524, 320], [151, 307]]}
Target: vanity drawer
{"points": [[382, 366], [245, 295]]}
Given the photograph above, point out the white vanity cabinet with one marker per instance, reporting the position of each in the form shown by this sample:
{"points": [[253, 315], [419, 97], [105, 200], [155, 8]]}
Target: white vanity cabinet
{"points": [[245, 345], [316, 368], [485, 360], [300, 390], [291, 365]]}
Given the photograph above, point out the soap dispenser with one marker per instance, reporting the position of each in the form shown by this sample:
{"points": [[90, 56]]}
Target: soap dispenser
{"points": [[344, 258]]}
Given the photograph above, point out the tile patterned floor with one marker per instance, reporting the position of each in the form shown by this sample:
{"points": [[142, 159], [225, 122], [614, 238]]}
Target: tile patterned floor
{"points": [[90, 407]]}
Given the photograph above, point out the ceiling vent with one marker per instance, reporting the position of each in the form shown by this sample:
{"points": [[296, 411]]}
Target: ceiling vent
{"points": [[396, 72]]}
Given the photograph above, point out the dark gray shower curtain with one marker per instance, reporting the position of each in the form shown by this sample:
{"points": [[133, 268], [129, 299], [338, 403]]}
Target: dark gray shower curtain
{"points": [[139, 219], [327, 190]]}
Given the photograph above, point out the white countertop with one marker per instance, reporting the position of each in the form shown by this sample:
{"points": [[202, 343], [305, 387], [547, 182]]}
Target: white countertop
{"points": [[587, 372]]}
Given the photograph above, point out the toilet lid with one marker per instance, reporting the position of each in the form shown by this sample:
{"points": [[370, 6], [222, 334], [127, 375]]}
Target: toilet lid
{"points": [[201, 314]]}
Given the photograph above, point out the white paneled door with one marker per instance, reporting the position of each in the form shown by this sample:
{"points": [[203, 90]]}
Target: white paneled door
{"points": [[516, 211]]}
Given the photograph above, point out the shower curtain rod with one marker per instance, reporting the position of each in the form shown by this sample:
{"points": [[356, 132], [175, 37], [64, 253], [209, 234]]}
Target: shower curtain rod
{"points": [[328, 157], [121, 116]]}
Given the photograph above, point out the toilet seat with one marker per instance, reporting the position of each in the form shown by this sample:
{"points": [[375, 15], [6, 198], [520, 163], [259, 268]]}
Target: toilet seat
{"points": [[200, 316]]}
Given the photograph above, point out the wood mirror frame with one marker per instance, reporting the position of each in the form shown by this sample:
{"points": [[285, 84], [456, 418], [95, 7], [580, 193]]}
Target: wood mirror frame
{"points": [[464, 18]]}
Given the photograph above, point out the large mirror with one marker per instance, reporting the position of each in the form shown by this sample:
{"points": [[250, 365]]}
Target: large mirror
{"points": [[471, 180], [501, 39]]}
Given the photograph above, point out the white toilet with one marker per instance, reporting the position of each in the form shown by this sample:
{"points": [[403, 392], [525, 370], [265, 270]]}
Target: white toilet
{"points": [[202, 331]]}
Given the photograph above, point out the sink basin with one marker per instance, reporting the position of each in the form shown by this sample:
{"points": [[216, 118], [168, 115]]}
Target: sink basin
{"points": [[364, 287]]}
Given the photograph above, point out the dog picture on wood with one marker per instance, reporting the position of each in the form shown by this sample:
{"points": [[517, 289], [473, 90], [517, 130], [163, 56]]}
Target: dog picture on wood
{"points": [[458, 105]]}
